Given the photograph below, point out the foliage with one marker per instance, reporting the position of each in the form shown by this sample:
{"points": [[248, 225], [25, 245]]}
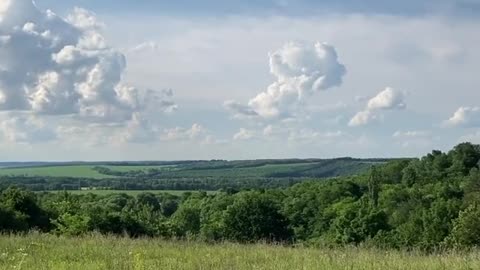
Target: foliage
{"points": [[253, 217], [466, 229]]}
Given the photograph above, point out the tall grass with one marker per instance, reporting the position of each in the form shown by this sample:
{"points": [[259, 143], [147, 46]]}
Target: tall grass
{"points": [[41, 251]]}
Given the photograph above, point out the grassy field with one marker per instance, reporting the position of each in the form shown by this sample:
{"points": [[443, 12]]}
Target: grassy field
{"points": [[132, 192], [42, 252]]}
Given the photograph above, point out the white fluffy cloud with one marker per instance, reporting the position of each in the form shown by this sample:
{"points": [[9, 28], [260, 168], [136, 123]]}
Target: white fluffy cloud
{"points": [[244, 135], [300, 70], [55, 66], [195, 133], [388, 99], [465, 116], [363, 118]]}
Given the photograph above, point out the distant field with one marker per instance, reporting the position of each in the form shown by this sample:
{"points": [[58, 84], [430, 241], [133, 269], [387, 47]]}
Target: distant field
{"points": [[133, 192], [87, 171], [129, 168], [55, 171], [81, 171], [179, 175], [45, 252]]}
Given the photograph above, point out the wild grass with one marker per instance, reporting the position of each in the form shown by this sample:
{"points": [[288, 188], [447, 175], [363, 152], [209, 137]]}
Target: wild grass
{"points": [[41, 251]]}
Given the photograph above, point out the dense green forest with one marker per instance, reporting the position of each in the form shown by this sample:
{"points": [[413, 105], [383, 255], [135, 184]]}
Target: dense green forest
{"points": [[182, 175], [426, 203]]}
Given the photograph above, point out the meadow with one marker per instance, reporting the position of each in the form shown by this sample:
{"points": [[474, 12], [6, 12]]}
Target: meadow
{"points": [[42, 252]]}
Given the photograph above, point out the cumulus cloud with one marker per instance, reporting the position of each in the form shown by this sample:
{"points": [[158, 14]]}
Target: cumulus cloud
{"points": [[55, 66], [300, 71], [196, 133], [388, 99], [464, 116], [244, 135], [363, 118]]}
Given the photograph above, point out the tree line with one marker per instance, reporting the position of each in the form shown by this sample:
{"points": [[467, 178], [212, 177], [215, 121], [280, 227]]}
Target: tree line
{"points": [[427, 203]]}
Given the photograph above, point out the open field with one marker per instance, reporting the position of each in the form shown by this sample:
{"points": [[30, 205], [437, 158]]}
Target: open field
{"points": [[132, 192], [42, 252]]}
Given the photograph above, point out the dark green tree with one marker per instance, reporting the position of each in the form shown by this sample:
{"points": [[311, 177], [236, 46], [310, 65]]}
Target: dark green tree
{"points": [[23, 204], [254, 216]]}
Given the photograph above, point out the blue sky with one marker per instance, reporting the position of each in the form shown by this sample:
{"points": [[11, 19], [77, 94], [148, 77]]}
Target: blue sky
{"points": [[163, 80]]}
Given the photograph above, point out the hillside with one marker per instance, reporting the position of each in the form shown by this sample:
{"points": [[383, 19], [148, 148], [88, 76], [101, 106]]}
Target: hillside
{"points": [[183, 175]]}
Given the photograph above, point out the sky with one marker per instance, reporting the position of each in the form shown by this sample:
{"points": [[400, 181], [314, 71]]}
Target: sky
{"points": [[172, 80]]}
